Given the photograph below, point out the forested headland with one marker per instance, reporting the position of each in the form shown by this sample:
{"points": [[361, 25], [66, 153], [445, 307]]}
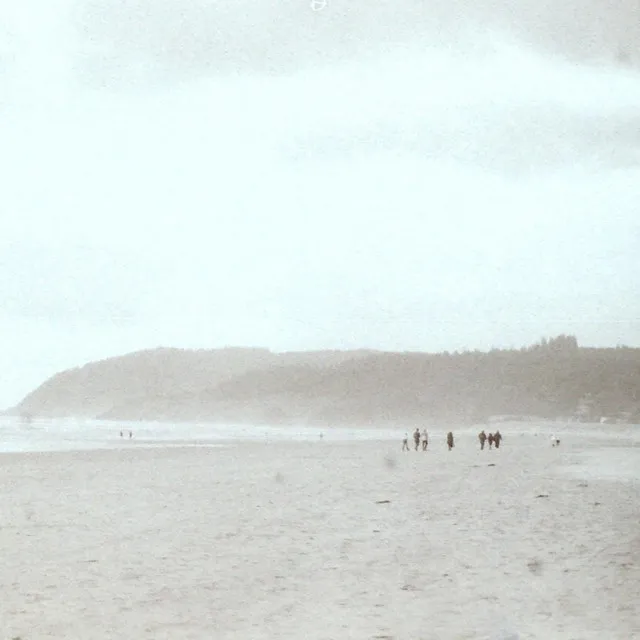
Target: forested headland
{"points": [[554, 378]]}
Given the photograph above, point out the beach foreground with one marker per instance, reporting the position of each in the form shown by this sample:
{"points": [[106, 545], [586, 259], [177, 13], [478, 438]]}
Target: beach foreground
{"points": [[324, 540]]}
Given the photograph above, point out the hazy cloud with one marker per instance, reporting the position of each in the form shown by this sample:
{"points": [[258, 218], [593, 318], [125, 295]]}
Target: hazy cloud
{"points": [[276, 36]]}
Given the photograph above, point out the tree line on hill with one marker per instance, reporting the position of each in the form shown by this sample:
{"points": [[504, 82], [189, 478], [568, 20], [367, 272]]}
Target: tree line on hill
{"points": [[554, 378]]}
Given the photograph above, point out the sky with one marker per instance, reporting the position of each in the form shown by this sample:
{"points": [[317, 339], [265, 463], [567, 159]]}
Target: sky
{"points": [[402, 175]]}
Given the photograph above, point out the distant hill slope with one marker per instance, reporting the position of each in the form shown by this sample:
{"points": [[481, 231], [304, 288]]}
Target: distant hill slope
{"points": [[555, 378], [147, 381]]}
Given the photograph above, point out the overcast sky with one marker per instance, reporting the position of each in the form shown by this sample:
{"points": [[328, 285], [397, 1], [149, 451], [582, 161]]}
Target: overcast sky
{"points": [[394, 175]]}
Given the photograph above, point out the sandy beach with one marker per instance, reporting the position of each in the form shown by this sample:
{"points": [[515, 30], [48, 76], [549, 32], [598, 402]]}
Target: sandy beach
{"points": [[324, 540]]}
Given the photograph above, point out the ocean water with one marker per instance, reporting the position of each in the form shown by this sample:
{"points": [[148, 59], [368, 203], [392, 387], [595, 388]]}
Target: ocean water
{"points": [[76, 435], [43, 435]]}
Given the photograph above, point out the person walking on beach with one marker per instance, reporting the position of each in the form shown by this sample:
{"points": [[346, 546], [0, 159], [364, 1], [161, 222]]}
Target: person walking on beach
{"points": [[482, 436], [497, 437], [130, 434], [450, 440], [121, 434], [416, 438], [405, 443], [490, 439], [425, 440]]}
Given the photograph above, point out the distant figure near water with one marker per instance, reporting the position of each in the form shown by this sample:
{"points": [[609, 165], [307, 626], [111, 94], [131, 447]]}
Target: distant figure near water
{"points": [[482, 436], [425, 440], [405, 443], [450, 440], [121, 434], [490, 439], [416, 438], [497, 438], [130, 434]]}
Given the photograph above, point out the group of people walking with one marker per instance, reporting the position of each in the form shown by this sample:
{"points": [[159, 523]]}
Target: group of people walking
{"points": [[418, 438], [492, 438], [424, 439]]}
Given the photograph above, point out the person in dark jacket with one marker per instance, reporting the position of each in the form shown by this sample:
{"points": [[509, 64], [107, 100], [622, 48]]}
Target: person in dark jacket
{"points": [[416, 438], [450, 440]]}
